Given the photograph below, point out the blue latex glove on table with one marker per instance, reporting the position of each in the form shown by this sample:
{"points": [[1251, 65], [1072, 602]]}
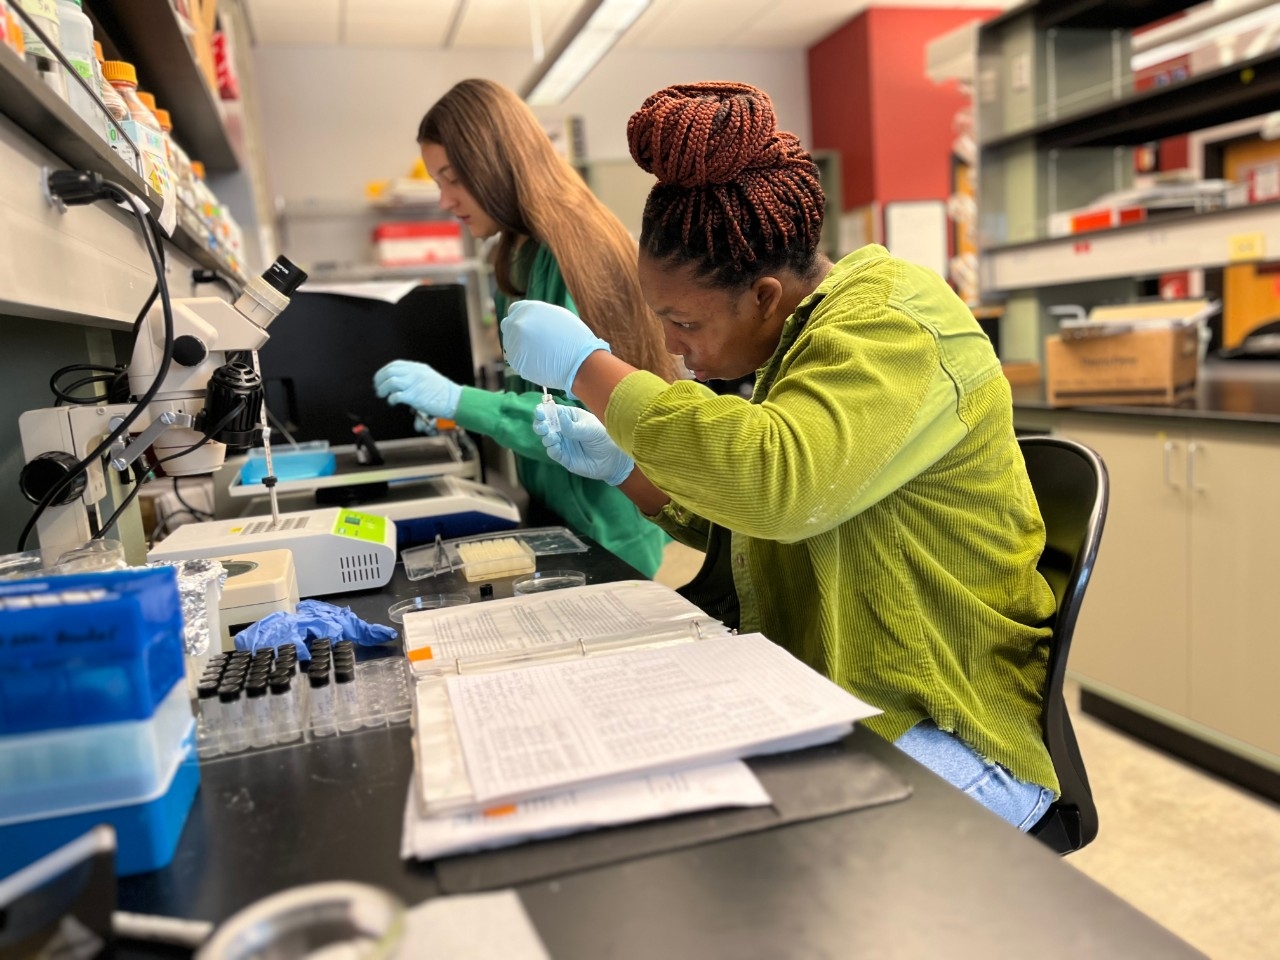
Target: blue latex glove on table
{"points": [[314, 620], [583, 446], [546, 344], [419, 386]]}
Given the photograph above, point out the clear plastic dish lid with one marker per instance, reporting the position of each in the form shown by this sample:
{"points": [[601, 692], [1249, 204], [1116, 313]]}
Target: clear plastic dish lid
{"points": [[442, 556]]}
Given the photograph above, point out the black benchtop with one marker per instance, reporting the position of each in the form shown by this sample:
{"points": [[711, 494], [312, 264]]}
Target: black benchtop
{"points": [[1242, 391]]}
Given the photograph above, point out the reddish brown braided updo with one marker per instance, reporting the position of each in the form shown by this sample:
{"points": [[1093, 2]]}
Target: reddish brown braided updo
{"points": [[735, 196]]}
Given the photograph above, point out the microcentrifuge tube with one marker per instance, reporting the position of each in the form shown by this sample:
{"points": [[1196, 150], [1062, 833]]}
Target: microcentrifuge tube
{"points": [[346, 697], [258, 707], [233, 719], [322, 714], [549, 410], [284, 709], [208, 720]]}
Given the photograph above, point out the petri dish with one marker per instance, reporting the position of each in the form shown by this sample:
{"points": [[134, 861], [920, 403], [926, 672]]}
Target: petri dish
{"points": [[545, 580], [426, 601]]}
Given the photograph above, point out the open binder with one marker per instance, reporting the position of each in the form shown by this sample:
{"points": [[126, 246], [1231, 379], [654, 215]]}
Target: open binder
{"points": [[525, 697]]}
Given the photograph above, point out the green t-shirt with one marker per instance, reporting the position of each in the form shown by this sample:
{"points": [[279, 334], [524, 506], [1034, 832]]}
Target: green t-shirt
{"points": [[883, 529], [591, 507]]}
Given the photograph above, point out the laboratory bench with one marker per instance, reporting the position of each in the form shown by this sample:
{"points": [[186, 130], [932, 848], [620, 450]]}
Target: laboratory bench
{"points": [[1176, 642], [934, 874]]}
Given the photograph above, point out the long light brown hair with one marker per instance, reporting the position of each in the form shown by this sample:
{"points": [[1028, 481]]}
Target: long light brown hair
{"points": [[504, 158]]}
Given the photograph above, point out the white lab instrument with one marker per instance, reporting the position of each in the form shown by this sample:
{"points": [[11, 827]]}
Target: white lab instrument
{"points": [[257, 584], [334, 550], [201, 392]]}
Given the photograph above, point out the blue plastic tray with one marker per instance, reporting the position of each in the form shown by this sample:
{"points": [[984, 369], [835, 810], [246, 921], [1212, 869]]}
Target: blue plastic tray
{"points": [[146, 833]]}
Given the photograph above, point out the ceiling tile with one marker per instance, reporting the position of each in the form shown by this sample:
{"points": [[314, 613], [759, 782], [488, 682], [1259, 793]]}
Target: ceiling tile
{"points": [[294, 21], [401, 23], [507, 23]]}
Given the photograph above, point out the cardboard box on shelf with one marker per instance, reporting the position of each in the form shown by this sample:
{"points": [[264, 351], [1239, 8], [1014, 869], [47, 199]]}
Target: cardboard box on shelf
{"points": [[408, 244], [1156, 365]]}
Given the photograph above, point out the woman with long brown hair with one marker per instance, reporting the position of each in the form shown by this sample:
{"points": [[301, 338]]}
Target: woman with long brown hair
{"points": [[499, 174], [869, 508]]}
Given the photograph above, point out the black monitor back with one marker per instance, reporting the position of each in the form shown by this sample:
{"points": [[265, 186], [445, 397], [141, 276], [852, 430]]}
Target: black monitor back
{"points": [[324, 350]]}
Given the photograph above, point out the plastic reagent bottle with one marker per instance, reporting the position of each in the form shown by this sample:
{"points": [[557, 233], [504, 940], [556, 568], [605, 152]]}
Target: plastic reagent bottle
{"points": [[124, 78], [110, 95], [45, 14], [77, 46]]}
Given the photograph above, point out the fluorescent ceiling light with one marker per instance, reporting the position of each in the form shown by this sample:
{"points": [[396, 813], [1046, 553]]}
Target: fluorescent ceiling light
{"points": [[598, 26]]}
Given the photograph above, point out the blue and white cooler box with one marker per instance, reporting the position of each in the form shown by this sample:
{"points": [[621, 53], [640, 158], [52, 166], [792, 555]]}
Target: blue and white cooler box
{"points": [[95, 722]]}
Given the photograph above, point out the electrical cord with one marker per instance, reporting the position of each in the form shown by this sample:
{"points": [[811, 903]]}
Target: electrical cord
{"points": [[150, 474], [198, 514], [80, 187]]}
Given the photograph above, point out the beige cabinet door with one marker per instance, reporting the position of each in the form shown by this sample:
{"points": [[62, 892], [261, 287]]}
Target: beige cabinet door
{"points": [[1235, 575], [1133, 633]]}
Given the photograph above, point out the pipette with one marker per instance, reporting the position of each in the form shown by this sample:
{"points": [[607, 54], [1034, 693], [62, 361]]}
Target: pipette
{"points": [[548, 408]]}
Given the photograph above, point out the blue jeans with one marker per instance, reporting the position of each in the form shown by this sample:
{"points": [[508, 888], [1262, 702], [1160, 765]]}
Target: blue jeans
{"points": [[1022, 804]]}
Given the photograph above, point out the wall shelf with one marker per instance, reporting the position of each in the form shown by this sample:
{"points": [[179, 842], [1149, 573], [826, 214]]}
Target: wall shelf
{"points": [[1242, 90], [365, 272], [1180, 242], [64, 137], [1100, 14], [147, 34]]}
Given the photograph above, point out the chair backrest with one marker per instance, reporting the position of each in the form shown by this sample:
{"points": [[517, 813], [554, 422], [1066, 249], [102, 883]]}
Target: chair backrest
{"points": [[1070, 484]]}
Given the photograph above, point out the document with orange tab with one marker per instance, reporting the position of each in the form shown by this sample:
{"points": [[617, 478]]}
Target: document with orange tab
{"points": [[553, 713]]}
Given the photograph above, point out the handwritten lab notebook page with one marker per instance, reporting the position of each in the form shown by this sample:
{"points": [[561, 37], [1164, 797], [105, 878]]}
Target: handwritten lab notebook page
{"points": [[523, 623], [531, 731]]}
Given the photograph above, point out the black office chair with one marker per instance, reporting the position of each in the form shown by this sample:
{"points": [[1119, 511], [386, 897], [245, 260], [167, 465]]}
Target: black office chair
{"points": [[1070, 484]]}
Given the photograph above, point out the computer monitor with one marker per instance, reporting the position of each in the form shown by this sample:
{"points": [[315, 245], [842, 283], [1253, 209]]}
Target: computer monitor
{"points": [[318, 366]]}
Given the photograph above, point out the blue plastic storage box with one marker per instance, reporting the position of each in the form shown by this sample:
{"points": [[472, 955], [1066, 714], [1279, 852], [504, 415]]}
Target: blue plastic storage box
{"points": [[147, 830], [88, 648]]}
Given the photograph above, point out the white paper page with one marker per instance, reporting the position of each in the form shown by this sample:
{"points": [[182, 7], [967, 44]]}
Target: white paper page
{"points": [[481, 926], [627, 801], [520, 623], [535, 730]]}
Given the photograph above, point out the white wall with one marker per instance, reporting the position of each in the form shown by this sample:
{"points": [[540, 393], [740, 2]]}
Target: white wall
{"points": [[335, 118]]}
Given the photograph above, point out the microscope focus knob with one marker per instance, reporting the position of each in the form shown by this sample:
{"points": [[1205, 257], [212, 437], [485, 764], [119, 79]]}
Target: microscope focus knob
{"points": [[40, 476], [189, 351]]}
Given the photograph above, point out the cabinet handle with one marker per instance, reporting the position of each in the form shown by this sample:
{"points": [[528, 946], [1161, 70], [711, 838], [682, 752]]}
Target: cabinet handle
{"points": [[1192, 449], [1168, 456]]}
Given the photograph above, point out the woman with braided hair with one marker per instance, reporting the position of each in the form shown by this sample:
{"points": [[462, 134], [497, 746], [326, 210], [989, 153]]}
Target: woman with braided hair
{"points": [[869, 508], [499, 174]]}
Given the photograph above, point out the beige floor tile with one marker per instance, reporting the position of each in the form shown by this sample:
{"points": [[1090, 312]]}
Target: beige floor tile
{"points": [[1196, 854]]}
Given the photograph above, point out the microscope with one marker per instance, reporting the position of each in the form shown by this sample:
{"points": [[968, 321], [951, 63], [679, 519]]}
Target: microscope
{"points": [[203, 391]]}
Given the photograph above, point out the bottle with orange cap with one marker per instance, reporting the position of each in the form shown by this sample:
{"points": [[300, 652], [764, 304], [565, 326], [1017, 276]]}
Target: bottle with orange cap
{"points": [[11, 29], [179, 162], [124, 78], [110, 95]]}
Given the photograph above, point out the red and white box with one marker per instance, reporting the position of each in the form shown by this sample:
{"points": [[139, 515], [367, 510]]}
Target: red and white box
{"points": [[408, 244]]}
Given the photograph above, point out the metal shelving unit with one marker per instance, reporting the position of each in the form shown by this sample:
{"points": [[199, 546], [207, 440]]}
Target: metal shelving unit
{"points": [[147, 34], [52, 124], [1232, 93], [1194, 241], [372, 272], [1057, 116]]}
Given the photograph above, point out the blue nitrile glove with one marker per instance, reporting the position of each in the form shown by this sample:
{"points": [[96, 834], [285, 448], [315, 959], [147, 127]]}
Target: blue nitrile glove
{"points": [[546, 344], [582, 446], [315, 619], [418, 386]]}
